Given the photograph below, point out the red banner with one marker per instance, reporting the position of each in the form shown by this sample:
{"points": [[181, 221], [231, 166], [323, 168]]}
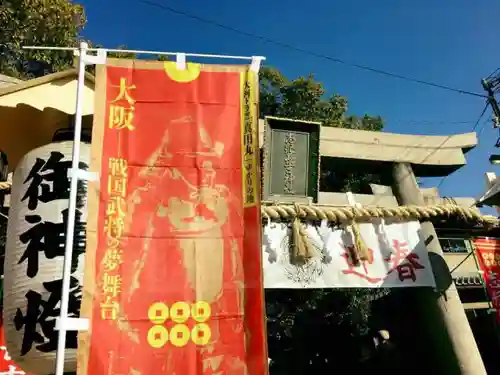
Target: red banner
{"points": [[173, 281], [488, 255], [7, 365]]}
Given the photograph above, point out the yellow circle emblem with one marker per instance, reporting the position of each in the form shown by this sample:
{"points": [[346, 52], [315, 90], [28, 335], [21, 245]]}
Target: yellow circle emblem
{"points": [[201, 311], [189, 74], [179, 335], [179, 312], [157, 336], [201, 334], [158, 313]]}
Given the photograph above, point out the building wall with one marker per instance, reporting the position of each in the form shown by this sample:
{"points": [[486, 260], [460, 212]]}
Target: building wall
{"points": [[461, 260]]}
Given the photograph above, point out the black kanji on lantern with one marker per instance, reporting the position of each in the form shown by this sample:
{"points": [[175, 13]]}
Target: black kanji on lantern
{"points": [[48, 181], [40, 318], [50, 238]]}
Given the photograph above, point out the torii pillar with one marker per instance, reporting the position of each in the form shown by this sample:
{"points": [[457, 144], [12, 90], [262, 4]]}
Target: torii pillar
{"points": [[451, 340]]}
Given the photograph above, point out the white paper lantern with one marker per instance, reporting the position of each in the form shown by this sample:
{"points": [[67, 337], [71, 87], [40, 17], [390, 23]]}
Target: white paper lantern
{"points": [[34, 257]]}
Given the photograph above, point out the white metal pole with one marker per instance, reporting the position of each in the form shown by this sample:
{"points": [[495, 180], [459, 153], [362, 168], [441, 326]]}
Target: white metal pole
{"points": [[144, 52], [68, 253]]}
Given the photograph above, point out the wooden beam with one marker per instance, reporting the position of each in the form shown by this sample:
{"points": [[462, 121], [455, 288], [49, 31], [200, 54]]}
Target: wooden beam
{"points": [[476, 305]]}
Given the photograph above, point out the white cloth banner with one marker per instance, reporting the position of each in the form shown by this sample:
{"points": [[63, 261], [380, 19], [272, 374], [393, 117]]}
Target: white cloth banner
{"points": [[399, 256]]}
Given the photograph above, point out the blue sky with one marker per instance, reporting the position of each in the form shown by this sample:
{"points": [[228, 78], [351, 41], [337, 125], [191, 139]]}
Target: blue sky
{"points": [[451, 42]]}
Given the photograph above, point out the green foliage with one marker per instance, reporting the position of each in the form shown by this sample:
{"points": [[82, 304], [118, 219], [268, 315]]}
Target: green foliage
{"points": [[56, 23], [373, 123], [52, 23], [319, 331], [120, 55], [306, 99]]}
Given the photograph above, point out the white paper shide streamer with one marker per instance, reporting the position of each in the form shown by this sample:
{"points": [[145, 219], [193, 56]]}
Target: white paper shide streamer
{"points": [[35, 254], [398, 257]]}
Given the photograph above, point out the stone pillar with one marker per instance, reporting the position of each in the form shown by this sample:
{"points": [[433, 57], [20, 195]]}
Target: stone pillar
{"points": [[451, 342]]}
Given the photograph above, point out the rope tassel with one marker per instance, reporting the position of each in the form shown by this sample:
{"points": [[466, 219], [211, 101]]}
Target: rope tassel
{"points": [[301, 248], [362, 252]]}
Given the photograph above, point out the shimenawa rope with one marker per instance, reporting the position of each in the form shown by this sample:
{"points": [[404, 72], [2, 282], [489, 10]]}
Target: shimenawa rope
{"points": [[302, 250], [347, 214]]}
